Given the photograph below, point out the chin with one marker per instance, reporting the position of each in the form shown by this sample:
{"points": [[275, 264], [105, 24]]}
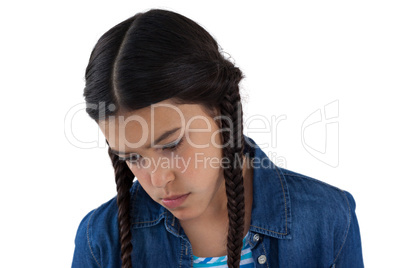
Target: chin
{"points": [[183, 214]]}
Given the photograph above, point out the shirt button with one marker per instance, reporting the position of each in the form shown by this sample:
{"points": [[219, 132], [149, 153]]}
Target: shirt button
{"points": [[262, 259], [256, 237]]}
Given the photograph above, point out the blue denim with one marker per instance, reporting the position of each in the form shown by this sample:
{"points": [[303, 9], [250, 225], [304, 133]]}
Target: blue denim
{"points": [[296, 221]]}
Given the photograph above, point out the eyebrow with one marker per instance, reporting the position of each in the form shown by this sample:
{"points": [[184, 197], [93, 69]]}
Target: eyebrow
{"points": [[161, 138]]}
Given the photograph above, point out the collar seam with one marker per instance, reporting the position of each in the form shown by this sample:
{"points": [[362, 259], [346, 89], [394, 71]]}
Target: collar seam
{"points": [[268, 230], [284, 199], [142, 222]]}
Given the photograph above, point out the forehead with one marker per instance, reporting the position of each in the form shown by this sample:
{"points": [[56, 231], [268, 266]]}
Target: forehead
{"points": [[138, 128]]}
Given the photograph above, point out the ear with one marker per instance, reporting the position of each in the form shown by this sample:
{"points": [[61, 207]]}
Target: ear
{"points": [[216, 112], [216, 117]]}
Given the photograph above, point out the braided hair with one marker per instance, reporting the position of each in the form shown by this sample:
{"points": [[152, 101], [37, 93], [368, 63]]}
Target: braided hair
{"points": [[124, 180], [231, 107], [159, 55]]}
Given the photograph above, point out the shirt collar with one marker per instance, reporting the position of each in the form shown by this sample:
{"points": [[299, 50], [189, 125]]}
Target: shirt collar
{"points": [[271, 211]]}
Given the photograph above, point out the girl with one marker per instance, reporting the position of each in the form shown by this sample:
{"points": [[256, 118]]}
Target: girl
{"points": [[205, 195]]}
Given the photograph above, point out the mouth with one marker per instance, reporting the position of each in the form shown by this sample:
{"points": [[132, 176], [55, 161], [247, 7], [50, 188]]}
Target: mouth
{"points": [[173, 197], [174, 201]]}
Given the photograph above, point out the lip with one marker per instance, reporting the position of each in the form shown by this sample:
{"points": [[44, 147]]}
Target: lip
{"points": [[174, 201], [172, 197]]}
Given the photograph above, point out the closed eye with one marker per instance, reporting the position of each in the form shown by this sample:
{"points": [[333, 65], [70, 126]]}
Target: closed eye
{"points": [[174, 146], [133, 158]]}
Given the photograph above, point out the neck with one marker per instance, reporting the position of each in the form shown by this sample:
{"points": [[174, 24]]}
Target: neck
{"points": [[208, 233]]}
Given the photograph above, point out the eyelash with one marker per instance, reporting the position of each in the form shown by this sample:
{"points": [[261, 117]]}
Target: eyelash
{"points": [[172, 148]]}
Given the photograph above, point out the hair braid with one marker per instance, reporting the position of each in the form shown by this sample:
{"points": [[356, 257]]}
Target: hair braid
{"points": [[124, 180], [232, 109]]}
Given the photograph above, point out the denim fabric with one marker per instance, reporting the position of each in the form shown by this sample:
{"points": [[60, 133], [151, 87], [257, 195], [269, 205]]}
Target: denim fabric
{"points": [[296, 221]]}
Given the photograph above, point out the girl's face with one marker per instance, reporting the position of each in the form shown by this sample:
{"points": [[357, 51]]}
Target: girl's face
{"points": [[175, 153]]}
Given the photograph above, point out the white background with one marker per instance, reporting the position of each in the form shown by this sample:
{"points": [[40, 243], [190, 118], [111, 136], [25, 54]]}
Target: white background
{"points": [[298, 57]]}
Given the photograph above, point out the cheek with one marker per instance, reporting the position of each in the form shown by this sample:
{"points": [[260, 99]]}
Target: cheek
{"points": [[195, 168], [140, 174], [200, 170]]}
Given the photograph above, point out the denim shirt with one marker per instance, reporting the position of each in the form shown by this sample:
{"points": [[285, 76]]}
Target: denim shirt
{"points": [[296, 221]]}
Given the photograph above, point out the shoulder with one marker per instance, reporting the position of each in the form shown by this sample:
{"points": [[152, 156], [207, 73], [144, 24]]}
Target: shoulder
{"points": [[321, 210], [97, 237], [312, 191]]}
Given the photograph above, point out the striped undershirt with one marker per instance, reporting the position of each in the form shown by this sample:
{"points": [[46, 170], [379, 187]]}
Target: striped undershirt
{"points": [[246, 260]]}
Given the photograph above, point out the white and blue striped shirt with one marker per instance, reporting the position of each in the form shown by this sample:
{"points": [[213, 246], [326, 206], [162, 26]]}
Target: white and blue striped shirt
{"points": [[246, 260]]}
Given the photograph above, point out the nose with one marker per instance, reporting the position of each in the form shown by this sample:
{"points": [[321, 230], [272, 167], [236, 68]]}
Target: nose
{"points": [[161, 176]]}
